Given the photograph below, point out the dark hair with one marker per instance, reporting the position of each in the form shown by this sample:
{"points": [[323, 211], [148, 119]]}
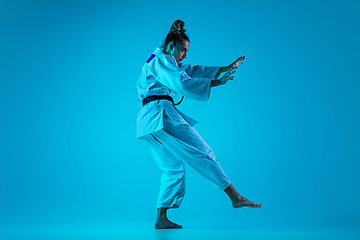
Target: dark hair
{"points": [[176, 34]]}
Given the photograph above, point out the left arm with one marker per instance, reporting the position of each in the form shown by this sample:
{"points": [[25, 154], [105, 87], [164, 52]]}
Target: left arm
{"points": [[199, 71]]}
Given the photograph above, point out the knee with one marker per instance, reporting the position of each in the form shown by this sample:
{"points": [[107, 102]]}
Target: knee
{"points": [[178, 174], [210, 157]]}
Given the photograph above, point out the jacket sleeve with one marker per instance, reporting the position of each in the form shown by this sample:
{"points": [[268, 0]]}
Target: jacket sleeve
{"points": [[197, 71], [166, 71]]}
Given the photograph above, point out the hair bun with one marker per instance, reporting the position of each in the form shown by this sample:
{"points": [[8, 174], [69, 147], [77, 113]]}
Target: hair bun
{"points": [[178, 27]]}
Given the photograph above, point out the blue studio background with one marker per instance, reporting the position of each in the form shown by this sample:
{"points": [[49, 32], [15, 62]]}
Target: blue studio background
{"points": [[286, 131]]}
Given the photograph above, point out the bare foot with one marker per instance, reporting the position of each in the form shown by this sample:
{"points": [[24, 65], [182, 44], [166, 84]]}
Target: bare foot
{"points": [[164, 223], [244, 202]]}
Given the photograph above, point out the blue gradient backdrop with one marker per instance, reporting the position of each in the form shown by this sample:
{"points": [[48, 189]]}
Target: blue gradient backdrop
{"points": [[286, 131]]}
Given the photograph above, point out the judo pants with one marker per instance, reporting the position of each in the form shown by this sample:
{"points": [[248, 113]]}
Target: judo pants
{"points": [[173, 146]]}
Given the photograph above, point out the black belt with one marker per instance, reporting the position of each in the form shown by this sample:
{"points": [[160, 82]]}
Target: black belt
{"points": [[160, 97]]}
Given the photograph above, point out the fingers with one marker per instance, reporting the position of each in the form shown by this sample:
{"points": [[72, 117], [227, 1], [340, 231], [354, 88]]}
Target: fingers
{"points": [[239, 61], [230, 72], [232, 78], [236, 65], [229, 77], [242, 58]]}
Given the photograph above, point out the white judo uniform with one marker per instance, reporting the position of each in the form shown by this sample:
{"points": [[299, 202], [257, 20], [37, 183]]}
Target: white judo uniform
{"points": [[169, 132]]}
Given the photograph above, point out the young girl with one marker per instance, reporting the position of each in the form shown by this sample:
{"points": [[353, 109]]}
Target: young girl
{"points": [[169, 132]]}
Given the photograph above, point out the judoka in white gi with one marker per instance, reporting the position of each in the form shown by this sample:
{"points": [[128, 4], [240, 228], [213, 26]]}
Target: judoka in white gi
{"points": [[170, 133]]}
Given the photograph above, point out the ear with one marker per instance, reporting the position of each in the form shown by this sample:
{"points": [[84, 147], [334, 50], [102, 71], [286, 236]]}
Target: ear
{"points": [[171, 46]]}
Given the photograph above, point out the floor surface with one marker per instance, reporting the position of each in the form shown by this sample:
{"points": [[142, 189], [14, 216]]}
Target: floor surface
{"points": [[187, 233]]}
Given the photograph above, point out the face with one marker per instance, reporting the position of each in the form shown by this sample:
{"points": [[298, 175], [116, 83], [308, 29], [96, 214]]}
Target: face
{"points": [[179, 52]]}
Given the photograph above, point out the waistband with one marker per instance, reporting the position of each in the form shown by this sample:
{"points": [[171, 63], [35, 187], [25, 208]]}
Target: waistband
{"points": [[160, 97]]}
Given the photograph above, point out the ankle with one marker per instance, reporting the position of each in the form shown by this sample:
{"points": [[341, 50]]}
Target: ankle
{"points": [[232, 193], [162, 217], [236, 197]]}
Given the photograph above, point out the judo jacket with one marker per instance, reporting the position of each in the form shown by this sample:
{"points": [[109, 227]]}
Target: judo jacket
{"points": [[161, 75]]}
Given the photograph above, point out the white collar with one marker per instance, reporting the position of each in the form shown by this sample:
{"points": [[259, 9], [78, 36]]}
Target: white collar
{"points": [[158, 51]]}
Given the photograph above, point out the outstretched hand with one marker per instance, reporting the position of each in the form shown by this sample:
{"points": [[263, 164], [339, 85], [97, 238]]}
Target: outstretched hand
{"points": [[230, 70], [227, 76], [232, 66], [235, 64], [221, 81]]}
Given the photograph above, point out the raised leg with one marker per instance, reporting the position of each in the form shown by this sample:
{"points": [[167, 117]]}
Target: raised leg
{"points": [[239, 201]]}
